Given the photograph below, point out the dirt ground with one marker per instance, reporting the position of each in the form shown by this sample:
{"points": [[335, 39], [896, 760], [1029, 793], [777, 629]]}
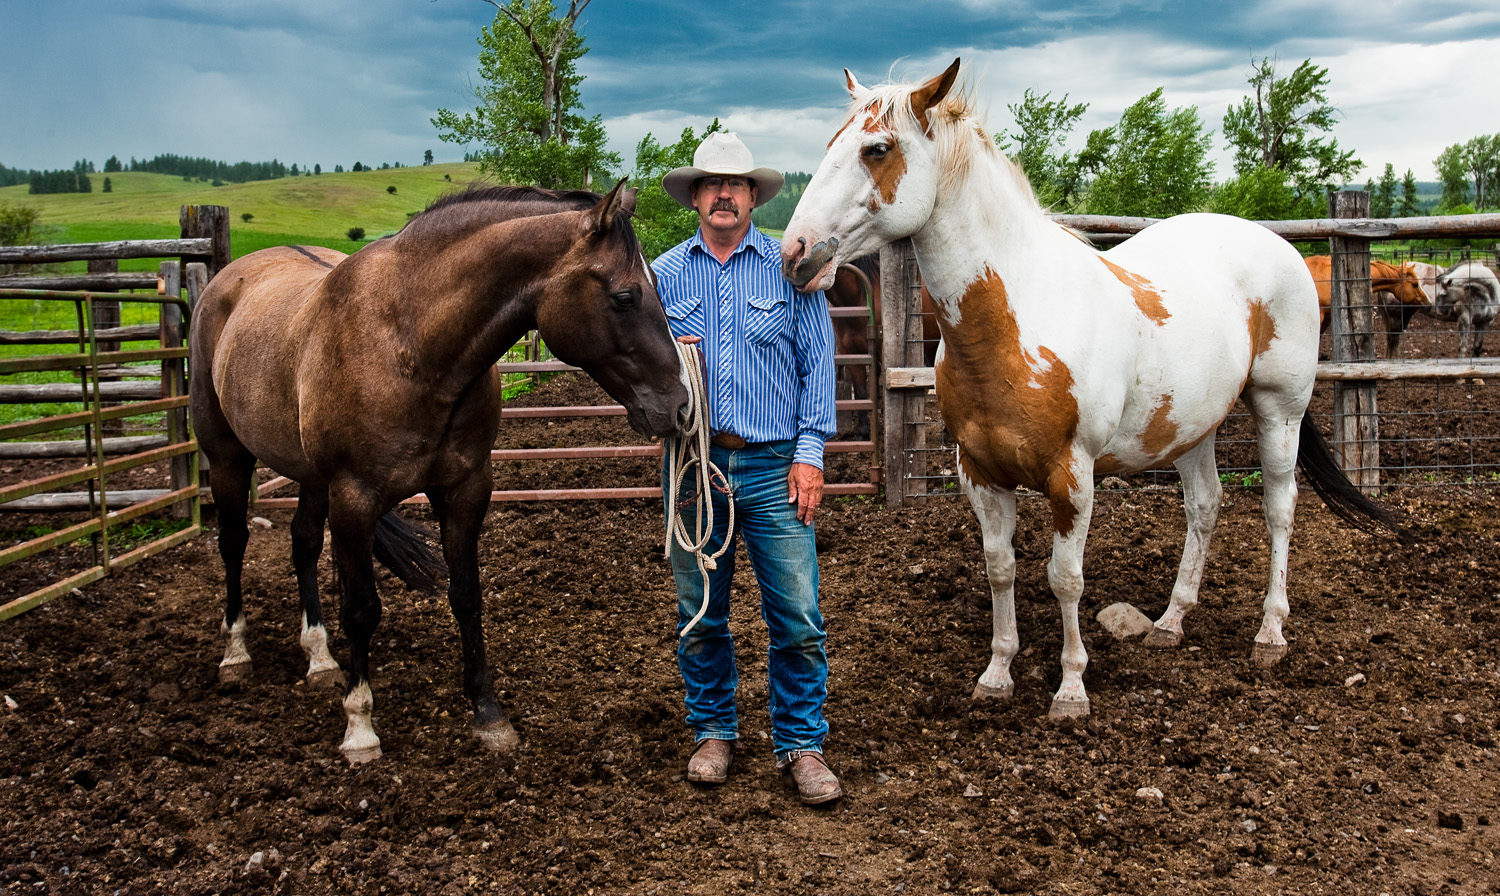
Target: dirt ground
{"points": [[1365, 762]]}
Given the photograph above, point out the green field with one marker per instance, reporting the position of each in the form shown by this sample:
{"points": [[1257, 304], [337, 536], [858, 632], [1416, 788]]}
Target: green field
{"points": [[315, 210]]}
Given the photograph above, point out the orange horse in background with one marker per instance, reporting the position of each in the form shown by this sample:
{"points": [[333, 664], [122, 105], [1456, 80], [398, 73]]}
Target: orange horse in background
{"points": [[1397, 290]]}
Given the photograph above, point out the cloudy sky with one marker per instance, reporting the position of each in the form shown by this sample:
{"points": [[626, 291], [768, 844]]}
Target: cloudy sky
{"points": [[338, 81]]}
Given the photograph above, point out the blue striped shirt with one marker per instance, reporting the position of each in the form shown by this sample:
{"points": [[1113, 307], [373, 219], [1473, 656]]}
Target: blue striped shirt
{"points": [[768, 349]]}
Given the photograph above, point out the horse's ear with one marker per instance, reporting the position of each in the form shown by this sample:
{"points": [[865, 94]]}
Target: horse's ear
{"points": [[852, 84], [602, 216], [930, 94]]}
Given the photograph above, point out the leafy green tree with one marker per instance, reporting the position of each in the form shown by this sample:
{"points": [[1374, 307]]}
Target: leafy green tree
{"points": [[529, 121], [427, 157], [391, 190], [355, 233], [1157, 163], [660, 222], [1036, 144], [1453, 172], [1408, 205], [1482, 158], [1281, 127]]}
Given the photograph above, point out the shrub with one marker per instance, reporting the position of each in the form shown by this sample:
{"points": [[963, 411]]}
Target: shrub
{"points": [[246, 217], [391, 190], [356, 233]]}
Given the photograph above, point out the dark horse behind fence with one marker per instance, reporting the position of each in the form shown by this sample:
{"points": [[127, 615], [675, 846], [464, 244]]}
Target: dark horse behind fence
{"points": [[370, 378]]}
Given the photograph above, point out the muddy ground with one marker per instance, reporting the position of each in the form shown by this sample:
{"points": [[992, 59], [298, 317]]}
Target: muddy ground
{"points": [[1365, 762]]}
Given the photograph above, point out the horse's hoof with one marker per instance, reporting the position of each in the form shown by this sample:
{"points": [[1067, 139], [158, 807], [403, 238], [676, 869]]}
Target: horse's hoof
{"points": [[234, 673], [985, 692], [1162, 638], [1065, 710], [327, 680], [1267, 655], [500, 737], [361, 755]]}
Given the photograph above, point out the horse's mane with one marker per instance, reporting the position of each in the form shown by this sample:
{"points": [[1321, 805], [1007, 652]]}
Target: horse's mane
{"points": [[519, 202], [571, 200], [956, 129]]}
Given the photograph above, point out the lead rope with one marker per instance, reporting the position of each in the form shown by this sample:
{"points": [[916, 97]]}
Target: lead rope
{"points": [[685, 452]]}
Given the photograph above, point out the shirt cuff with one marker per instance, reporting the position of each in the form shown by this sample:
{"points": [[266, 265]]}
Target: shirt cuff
{"points": [[809, 450]]}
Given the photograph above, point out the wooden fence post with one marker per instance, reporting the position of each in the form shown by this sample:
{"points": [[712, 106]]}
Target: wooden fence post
{"points": [[211, 222], [904, 410], [1356, 420], [174, 383]]}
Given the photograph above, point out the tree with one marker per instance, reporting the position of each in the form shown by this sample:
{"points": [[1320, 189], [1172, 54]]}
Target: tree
{"points": [[358, 167], [247, 217], [1453, 172], [391, 190], [1481, 157], [108, 187], [427, 157], [355, 233], [660, 222], [1408, 206], [1042, 124], [317, 169], [1157, 163], [112, 165], [1383, 193], [529, 121], [1278, 127]]}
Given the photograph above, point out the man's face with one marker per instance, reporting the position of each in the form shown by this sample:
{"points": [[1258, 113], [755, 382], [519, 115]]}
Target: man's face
{"points": [[724, 203]]}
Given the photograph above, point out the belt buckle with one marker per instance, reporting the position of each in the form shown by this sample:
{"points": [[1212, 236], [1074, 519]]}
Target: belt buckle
{"points": [[729, 440]]}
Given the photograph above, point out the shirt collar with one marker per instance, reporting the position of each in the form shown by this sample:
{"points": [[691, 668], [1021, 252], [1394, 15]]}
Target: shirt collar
{"points": [[754, 240]]}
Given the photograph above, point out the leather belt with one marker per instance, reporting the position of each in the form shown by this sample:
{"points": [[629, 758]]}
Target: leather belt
{"points": [[729, 440]]}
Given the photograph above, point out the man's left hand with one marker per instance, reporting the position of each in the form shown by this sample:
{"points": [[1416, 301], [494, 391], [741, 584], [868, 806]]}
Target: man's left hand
{"points": [[805, 489]]}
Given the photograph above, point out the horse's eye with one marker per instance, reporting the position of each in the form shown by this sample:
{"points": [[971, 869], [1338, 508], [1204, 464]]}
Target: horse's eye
{"points": [[626, 298], [876, 150]]}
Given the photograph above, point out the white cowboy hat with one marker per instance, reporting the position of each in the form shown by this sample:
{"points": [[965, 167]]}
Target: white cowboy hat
{"points": [[722, 154]]}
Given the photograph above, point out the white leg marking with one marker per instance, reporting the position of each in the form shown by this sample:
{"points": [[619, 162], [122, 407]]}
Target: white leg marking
{"points": [[236, 662], [996, 509], [1065, 574], [1202, 493], [322, 669], [360, 743]]}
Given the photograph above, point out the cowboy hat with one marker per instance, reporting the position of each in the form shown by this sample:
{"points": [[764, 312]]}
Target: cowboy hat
{"points": [[725, 155]]}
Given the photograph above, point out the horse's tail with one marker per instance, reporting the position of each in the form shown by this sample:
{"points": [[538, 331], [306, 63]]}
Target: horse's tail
{"points": [[403, 548], [1340, 495]]}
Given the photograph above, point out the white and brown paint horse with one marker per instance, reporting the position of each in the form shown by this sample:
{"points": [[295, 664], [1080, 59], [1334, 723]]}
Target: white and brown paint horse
{"points": [[1060, 363], [370, 378]]}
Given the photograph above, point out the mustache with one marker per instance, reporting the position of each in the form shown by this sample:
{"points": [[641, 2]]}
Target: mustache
{"points": [[725, 205]]}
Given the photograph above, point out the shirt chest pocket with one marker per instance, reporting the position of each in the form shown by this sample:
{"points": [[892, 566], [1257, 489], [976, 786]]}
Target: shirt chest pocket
{"points": [[768, 320], [685, 314]]}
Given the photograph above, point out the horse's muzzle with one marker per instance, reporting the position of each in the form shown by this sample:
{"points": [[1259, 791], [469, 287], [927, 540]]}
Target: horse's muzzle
{"points": [[805, 265]]}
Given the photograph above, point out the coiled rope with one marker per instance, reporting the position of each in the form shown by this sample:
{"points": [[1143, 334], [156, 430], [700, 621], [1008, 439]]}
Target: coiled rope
{"points": [[686, 455]]}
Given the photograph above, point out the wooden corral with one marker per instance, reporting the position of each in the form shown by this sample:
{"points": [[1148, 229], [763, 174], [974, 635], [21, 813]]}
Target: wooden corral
{"points": [[106, 384]]}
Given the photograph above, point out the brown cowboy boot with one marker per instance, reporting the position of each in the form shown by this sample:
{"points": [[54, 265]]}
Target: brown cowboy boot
{"points": [[816, 782], [709, 763]]}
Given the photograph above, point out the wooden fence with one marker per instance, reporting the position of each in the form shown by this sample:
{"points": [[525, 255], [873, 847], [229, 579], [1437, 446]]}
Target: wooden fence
{"points": [[104, 379], [1353, 369]]}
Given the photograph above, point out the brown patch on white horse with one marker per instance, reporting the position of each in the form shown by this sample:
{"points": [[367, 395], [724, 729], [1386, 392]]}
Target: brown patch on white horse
{"points": [[1146, 297]]}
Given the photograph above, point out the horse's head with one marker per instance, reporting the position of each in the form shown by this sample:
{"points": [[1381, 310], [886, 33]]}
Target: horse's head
{"points": [[877, 183], [599, 310]]}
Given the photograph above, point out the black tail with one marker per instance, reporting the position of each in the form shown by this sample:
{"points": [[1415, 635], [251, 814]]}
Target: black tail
{"points": [[1341, 496], [403, 547]]}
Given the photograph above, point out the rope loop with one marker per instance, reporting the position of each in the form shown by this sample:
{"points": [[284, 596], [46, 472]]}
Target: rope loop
{"points": [[687, 455]]}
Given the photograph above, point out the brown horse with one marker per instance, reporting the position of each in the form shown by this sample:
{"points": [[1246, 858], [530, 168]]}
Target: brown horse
{"points": [[1397, 293], [857, 284], [370, 378]]}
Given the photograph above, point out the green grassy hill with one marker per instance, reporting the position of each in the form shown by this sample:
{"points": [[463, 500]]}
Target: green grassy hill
{"points": [[310, 210]]}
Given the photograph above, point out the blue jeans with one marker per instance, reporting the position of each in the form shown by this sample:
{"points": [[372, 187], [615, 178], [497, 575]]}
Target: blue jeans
{"points": [[784, 555]]}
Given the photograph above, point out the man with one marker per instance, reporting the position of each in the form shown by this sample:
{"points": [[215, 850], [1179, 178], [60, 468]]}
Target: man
{"points": [[768, 357]]}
